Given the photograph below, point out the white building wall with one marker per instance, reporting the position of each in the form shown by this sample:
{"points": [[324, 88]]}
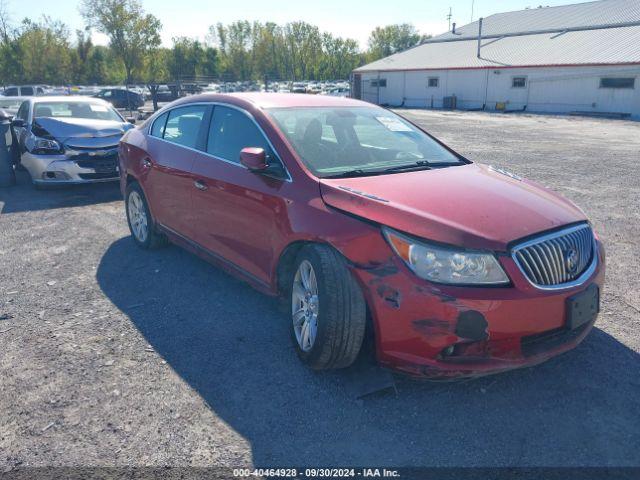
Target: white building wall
{"points": [[548, 89]]}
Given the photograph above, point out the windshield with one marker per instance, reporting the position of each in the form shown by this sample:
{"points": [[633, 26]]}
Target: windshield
{"points": [[88, 110], [333, 141]]}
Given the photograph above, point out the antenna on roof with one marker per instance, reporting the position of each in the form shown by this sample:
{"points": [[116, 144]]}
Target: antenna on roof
{"points": [[449, 18]]}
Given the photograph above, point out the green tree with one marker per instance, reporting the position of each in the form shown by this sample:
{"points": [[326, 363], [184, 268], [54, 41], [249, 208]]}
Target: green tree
{"points": [[210, 60], [185, 58], [44, 50], [385, 41], [132, 32]]}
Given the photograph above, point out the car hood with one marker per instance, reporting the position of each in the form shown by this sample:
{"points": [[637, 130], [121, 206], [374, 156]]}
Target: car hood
{"points": [[473, 206], [65, 128]]}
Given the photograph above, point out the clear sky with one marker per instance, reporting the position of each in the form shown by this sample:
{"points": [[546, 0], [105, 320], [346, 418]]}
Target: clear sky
{"points": [[346, 18]]}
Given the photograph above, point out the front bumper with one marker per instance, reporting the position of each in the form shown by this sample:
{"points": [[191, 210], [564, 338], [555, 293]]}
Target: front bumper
{"points": [[60, 169], [429, 330]]}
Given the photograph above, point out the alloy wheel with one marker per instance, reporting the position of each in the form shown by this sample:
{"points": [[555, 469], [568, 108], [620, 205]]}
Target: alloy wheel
{"points": [[138, 216], [305, 305]]}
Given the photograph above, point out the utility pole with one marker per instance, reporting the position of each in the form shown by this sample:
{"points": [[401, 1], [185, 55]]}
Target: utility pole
{"points": [[449, 18], [479, 36], [473, 3]]}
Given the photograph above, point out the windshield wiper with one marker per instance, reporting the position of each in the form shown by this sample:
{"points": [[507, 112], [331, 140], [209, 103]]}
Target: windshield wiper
{"points": [[419, 165], [359, 172]]}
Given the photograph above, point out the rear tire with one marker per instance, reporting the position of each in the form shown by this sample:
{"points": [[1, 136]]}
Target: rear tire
{"points": [[141, 224], [336, 305]]}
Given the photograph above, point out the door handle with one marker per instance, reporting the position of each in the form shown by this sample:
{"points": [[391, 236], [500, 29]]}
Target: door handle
{"points": [[200, 185], [146, 163]]}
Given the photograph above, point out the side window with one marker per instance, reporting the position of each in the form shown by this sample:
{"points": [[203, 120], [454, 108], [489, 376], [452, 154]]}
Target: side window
{"points": [[27, 91], [11, 92], [40, 91], [157, 129], [623, 82], [519, 82], [230, 132], [183, 125], [23, 111]]}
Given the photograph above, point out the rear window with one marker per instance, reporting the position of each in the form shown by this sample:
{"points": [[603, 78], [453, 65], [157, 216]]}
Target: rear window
{"points": [[157, 129], [183, 125]]}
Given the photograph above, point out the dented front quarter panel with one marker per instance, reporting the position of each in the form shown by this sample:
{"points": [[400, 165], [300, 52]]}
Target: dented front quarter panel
{"points": [[415, 320]]}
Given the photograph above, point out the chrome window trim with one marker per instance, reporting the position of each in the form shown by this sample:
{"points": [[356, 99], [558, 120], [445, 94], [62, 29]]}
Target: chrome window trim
{"points": [[543, 238], [162, 111]]}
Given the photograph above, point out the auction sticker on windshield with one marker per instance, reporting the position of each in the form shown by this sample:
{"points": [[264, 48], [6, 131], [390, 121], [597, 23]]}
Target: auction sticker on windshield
{"points": [[394, 124]]}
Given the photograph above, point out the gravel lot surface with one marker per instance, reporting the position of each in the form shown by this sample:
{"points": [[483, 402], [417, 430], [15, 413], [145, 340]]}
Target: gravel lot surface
{"points": [[114, 356]]}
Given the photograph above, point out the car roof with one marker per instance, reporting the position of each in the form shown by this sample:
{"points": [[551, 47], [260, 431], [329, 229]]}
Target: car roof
{"points": [[278, 100]]}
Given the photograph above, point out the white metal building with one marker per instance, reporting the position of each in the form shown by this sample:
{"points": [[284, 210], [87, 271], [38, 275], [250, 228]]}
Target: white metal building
{"points": [[574, 58]]}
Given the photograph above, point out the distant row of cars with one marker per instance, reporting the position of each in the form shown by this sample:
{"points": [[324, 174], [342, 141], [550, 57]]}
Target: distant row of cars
{"points": [[118, 97]]}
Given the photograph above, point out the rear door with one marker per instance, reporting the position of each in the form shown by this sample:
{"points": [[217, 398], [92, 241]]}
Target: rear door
{"points": [[236, 211], [168, 183]]}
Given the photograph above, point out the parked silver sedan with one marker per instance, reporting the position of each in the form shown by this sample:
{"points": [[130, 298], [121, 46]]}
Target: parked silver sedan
{"points": [[63, 140]]}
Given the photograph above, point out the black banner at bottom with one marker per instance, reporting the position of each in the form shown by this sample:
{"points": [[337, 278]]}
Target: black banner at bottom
{"points": [[223, 473]]}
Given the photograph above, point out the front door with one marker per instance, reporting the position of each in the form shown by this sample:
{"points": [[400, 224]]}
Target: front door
{"points": [[235, 210]]}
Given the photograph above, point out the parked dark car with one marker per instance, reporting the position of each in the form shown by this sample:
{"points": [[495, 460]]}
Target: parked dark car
{"points": [[166, 94], [363, 222], [121, 98]]}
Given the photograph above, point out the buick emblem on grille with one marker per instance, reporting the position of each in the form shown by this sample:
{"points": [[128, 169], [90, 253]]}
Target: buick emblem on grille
{"points": [[571, 259]]}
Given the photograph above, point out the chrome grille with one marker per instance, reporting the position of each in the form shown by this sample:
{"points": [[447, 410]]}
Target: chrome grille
{"points": [[557, 259]]}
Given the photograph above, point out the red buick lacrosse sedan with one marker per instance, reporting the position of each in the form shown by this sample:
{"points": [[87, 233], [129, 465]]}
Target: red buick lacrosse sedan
{"points": [[362, 221]]}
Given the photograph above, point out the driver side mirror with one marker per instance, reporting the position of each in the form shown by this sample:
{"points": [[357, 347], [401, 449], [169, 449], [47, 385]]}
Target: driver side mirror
{"points": [[255, 159], [17, 122]]}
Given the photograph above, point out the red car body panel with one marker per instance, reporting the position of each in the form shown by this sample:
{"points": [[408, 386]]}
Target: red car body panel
{"points": [[246, 222], [469, 205]]}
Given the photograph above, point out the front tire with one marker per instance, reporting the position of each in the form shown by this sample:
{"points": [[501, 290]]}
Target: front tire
{"points": [[7, 173], [327, 308], [140, 221]]}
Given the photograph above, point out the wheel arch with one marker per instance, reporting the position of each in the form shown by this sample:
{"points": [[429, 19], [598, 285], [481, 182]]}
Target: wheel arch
{"points": [[285, 269]]}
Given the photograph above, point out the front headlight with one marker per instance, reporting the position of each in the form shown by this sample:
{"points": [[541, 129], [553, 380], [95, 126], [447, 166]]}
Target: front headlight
{"points": [[46, 146], [445, 265]]}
